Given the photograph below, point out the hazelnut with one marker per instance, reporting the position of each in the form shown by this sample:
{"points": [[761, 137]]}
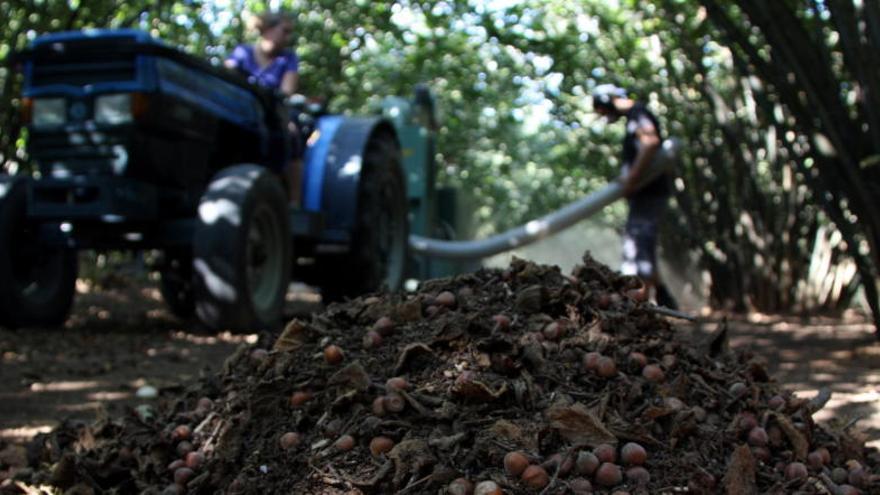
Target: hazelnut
{"points": [[396, 383], [637, 475], [581, 486], [298, 398], [535, 477], [586, 463], [333, 354], [609, 475], [372, 339], [637, 359], [653, 373], [591, 361], [758, 437], [605, 453], [194, 460], [383, 326], [393, 403], [606, 367], [502, 322], [181, 432], [380, 445], [488, 488], [183, 475], [460, 486], [446, 299], [290, 440], [515, 463], [795, 470], [633, 454], [344, 443]]}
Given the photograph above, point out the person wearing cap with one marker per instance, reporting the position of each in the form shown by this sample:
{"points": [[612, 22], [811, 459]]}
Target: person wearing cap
{"points": [[647, 202]]}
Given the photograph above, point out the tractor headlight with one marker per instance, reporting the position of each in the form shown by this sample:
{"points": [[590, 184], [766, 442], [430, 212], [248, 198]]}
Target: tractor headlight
{"points": [[113, 109], [48, 111]]}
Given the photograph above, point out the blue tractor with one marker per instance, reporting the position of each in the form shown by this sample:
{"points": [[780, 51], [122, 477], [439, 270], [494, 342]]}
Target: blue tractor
{"points": [[138, 145]]}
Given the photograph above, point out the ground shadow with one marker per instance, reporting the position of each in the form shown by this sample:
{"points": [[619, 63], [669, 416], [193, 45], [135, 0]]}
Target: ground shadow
{"points": [[118, 340], [806, 355]]}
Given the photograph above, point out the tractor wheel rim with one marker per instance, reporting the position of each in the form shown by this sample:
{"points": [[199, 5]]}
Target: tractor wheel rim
{"points": [[264, 258]]}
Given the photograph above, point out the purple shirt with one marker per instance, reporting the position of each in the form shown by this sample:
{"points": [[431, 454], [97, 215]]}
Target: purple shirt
{"points": [[269, 76]]}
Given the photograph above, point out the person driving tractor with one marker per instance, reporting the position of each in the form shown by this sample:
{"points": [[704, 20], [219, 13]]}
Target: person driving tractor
{"points": [[270, 63]]}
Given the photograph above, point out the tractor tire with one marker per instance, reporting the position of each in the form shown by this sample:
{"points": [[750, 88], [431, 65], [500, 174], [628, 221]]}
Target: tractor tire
{"points": [[242, 253], [378, 255], [176, 284], [37, 282]]}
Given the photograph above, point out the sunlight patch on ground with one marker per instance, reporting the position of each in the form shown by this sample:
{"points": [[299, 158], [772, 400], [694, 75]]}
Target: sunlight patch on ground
{"points": [[861, 408], [81, 407], [14, 357], [824, 377], [152, 293], [23, 433], [298, 292], [222, 337], [83, 286], [108, 396], [65, 386], [312, 297]]}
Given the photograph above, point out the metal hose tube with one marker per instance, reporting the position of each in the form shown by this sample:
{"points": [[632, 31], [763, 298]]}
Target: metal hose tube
{"points": [[547, 225]]}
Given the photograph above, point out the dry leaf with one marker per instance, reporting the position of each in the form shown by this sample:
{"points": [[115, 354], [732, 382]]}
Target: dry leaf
{"points": [[410, 457], [740, 476], [798, 441], [294, 336], [352, 377], [578, 425], [409, 311], [511, 433], [477, 390], [408, 353]]}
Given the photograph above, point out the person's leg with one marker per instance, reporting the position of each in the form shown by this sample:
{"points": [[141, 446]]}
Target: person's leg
{"points": [[294, 170], [662, 295], [294, 179], [640, 242]]}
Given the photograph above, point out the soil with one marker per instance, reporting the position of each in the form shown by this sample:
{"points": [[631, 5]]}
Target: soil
{"points": [[121, 339]]}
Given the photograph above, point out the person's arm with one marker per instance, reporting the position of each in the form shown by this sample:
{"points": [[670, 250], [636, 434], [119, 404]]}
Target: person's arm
{"points": [[289, 83], [236, 58], [290, 79], [647, 144]]}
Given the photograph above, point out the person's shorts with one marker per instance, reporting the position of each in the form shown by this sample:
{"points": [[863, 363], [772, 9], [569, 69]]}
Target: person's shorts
{"points": [[640, 235]]}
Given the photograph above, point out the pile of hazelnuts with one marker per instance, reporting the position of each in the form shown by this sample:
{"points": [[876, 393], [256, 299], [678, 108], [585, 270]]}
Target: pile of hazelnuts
{"points": [[767, 442], [604, 466], [187, 446]]}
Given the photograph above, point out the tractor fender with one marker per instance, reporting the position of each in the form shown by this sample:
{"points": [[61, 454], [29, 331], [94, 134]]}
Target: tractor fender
{"points": [[331, 176]]}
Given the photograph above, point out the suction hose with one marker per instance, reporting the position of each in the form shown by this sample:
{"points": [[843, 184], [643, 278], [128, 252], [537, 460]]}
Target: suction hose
{"points": [[545, 226]]}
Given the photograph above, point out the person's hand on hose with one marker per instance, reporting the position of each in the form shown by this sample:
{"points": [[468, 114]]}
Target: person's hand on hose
{"points": [[630, 184]]}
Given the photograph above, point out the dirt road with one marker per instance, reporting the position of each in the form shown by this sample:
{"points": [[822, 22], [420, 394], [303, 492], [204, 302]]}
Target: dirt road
{"points": [[117, 342]]}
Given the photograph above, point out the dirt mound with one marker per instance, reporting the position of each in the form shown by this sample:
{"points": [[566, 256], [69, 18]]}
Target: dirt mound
{"points": [[520, 381]]}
